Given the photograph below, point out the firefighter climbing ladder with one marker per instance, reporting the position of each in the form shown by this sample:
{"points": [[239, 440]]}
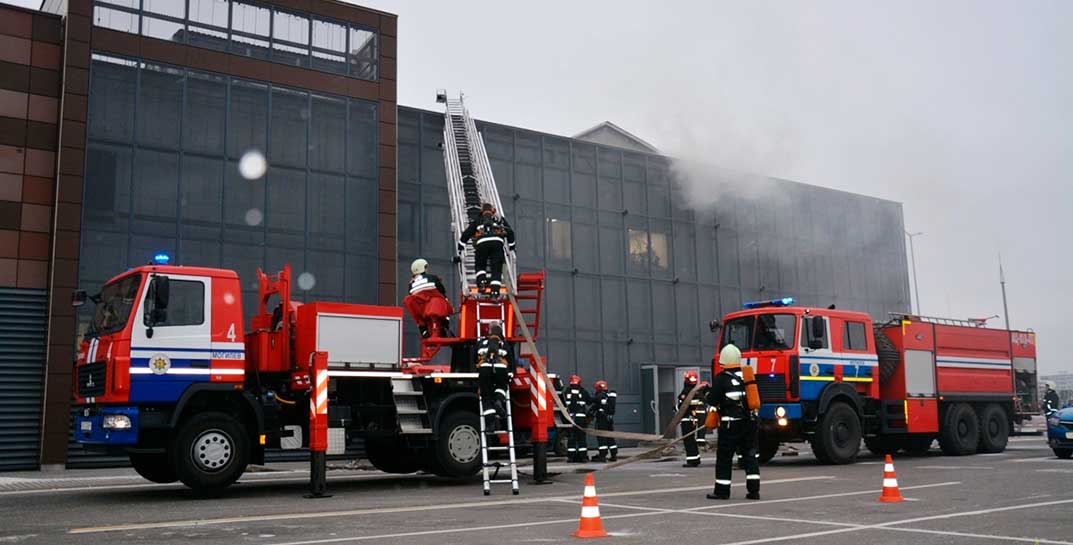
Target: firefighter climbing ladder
{"points": [[491, 469], [469, 184]]}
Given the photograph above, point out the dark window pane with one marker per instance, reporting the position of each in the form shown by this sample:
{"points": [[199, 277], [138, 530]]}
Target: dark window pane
{"points": [[557, 185], [157, 188], [250, 19], [362, 53], [634, 197], [249, 47], [612, 245], [111, 106], [610, 194], [361, 280], [585, 251], [160, 105], [329, 35], [115, 19], [206, 37], [327, 270], [326, 207], [201, 253], [248, 122], [107, 187], [361, 224], [361, 136], [327, 134], [286, 215], [329, 62], [289, 54], [186, 304], [290, 114], [210, 12], [201, 190], [163, 29], [203, 126], [171, 8], [243, 208], [291, 27]]}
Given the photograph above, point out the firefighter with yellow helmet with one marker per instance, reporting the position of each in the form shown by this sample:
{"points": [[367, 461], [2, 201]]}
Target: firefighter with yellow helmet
{"points": [[732, 396]]}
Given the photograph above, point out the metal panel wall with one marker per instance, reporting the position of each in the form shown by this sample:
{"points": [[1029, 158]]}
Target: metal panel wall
{"points": [[23, 321]]}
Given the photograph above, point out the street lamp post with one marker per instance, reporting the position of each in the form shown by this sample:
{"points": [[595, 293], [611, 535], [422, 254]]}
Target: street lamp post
{"points": [[913, 258]]}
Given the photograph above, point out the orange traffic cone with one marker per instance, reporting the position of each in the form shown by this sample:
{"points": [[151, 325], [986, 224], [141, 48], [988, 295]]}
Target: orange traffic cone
{"points": [[890, 483], [590, 524]]}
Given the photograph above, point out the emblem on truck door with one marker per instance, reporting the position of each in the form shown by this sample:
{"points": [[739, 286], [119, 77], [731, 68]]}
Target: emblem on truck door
{"points": [[159, 364]]}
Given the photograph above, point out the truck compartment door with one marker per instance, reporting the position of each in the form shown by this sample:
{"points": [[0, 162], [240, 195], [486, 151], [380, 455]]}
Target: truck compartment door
{"points": [[919, 373]]}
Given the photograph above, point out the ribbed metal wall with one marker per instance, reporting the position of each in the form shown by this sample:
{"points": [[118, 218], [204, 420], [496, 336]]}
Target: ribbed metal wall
{"points": [[23, 326]]}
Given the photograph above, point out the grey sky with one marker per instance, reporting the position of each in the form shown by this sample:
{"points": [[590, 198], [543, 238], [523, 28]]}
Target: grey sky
{"points": [[960, 110]]}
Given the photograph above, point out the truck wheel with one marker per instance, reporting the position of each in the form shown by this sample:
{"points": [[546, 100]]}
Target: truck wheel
{"points": [[839, 435], [960, 431], [994, 429], [387, 455], [210, 451], [458, 444], [1064, 453], [768, 450], [153, 467], [918, 445], [881, 445]]}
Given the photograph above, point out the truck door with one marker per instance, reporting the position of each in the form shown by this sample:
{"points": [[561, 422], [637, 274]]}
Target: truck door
{"points": [[817, 359], [171, 350]]}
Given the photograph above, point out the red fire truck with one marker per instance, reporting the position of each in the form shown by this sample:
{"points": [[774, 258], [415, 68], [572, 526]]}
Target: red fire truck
{"points": [[169, 375], [832, 377]]}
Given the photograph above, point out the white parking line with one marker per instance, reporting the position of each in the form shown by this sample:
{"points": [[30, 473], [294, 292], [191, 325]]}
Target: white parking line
{"points": [[405, 509]]}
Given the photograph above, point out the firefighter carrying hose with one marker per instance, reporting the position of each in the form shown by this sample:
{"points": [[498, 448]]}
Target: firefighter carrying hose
{"points": [[702, 433], [427, 301], [491, 235], [737, 426], [577, 402], [494, 361], [690, 419], [603, 408]]}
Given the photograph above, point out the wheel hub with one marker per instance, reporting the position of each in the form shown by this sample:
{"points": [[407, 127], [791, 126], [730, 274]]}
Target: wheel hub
{"points": [[464, 444], [212, 450]]}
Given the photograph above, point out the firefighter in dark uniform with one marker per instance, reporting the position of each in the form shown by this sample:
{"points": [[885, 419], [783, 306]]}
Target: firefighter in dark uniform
{"points": [[491, 235], [690, 419], [577, 402], [495, 360], [737, 427], [1051, 402], [702, 433], [603, 408]]}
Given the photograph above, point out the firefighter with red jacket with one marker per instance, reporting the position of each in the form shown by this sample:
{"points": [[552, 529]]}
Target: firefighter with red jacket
{"points": [[577, 402], [491, 235], [693, 417], [603, 409], [427, 301], [737, 427]]}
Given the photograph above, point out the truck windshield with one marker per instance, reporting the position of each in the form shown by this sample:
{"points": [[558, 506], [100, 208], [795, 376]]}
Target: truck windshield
{"points": [[113, 310], [761, 332]]}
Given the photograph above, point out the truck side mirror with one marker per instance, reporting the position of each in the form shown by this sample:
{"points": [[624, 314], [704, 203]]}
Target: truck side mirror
{"points": [[78, 298], [818, 328], [156, 302], [715, 326]]}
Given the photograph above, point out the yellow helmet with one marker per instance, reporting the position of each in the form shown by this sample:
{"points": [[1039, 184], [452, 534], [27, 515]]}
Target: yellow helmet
{"points": [[419, 266], [730, 356]]}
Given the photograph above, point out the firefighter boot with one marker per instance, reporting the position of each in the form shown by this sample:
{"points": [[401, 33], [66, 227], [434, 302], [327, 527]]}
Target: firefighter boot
{"points": [[446, 327], [424, 332]]}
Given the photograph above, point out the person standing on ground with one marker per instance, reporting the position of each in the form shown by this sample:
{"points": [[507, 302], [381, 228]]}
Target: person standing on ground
{"points": [[737, 427], [689, 420], [603, 407], [577, 402]]}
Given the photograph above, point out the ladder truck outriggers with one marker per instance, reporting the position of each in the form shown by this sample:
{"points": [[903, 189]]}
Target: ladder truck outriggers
{"points": [[834, 377], [170, 375]]}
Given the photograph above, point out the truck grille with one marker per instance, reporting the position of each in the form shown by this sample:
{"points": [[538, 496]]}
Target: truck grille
{"points": [[91, 379], [772, 387]]}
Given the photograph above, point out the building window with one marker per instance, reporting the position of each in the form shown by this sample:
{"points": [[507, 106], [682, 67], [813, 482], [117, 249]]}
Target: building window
{"points": [[559, 239], [248, 29], [638, 249], [661, 256]]}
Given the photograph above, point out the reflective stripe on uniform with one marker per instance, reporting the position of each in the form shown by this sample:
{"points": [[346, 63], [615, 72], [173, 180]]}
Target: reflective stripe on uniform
{"points": [[490, 238], [721, 481], [689, 458], [753, 477]]}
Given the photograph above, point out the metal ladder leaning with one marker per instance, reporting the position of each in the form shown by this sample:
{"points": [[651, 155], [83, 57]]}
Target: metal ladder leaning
{"points": [[493, 312], [490, 477]]}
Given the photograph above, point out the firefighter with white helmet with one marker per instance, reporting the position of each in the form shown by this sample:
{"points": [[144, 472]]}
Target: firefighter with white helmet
{"points": [[577, 402], [427, 301], [603, 408], [693, 417], [737, 426]]}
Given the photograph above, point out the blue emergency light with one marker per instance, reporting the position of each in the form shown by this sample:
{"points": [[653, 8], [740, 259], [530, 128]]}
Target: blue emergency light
{"points": [[784, 302], [161, 258]]}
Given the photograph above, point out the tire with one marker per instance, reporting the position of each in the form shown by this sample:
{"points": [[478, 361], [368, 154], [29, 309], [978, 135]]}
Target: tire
{"points": [[154, 467], [1063, 453], [388, 455], [839, 435], [458, 444], [960, 431], [888, 355], [768, 450], [994, 429], [881, 445], [210, 451], [917, 445]]}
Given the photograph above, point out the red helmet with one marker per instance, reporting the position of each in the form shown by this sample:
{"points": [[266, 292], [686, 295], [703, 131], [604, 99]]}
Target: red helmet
{"points": [[704, 384], [691, 377], [574, 379], [601, 386]]}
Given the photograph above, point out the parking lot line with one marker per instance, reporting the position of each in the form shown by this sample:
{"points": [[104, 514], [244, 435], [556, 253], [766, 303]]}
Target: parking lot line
{"points": [[405, 509]]}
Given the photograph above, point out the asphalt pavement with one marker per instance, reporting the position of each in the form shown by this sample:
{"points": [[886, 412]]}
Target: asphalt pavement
{"points": [[1023, 495]]}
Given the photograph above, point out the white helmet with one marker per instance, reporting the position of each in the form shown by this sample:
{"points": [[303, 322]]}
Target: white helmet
{"points": [[419, 266], [730, 356]]}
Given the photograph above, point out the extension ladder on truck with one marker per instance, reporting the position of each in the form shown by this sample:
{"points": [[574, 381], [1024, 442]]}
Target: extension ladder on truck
{"points": [[469, 184], [490, 444]]}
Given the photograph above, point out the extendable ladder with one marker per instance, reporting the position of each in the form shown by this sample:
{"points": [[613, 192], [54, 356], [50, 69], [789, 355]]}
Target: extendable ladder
{"points": [[491, 469]]}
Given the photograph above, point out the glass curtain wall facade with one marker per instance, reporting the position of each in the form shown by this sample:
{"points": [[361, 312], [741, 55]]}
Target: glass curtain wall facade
{"points": [[633, 275], [163, 145]]}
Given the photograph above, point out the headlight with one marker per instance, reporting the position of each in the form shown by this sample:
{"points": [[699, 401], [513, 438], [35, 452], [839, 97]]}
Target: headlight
{"points": [[780, 411], [783, 422], [116, 422]]}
